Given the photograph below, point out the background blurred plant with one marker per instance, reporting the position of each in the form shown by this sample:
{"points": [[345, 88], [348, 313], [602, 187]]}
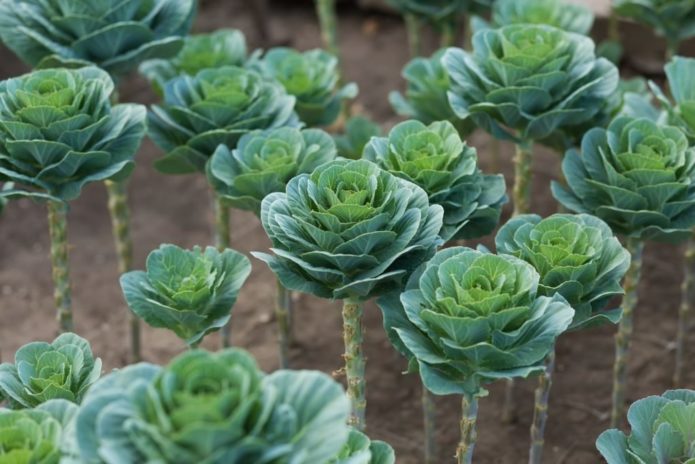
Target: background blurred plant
{"points": [[223, 47], [63, 369], [261, 164], [36, 435], [58, 132], [569, 17], [358, 132], [578, 257], [313, 78], [190, 292], [662, 431], [674, 21], [525, 82], [468, 318], [639, 178], [349, 231], [243, 415]]}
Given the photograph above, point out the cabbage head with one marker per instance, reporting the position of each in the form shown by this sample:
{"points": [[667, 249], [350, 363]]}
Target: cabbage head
{"points": [[637, 176], [673, 20], [681, 111], [435, 158], [63, 369], [359, 449], [569, 17], [525, 82], [190, 292], [313, 78], [264, 161], [216, 106], [36, 436], [59, 131], [212, 408], [662, 431], [468, 318], [576, 255], [115, 36], [348, 230]]}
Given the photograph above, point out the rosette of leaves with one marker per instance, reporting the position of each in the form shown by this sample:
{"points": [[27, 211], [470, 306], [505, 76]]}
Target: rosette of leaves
{"points": [[264, 161], [214, 107], [211, 407], [36, 436], [190, 292], [359, 449], [59, 131], [673, 20], [435, 158], [223, 47], [63, 369], [312, 77], [426, 96], [635, 175], [468, 318], [115, 37], [569, 17], [525, 83], [578, 257], [359, 130], [662, 431], [639, 177], [349, 230]]}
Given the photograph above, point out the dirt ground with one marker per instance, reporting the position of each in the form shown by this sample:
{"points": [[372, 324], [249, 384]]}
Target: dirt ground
{"points": [[176, 210]]}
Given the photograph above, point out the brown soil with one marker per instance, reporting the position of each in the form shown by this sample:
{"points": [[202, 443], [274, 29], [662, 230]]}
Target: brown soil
{"points": [[176, 210]]}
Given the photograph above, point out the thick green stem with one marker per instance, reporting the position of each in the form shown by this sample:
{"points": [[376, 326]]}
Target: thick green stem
{"points": [[671, 50], [614, 27], [354, 361], [120, 224], [522, 179], [469, 434], [329, 25], [509, 405], [429, 414], [412, 27], [57, 227], [495, 156], [624, 335], [449, 33], [687, 300], [222, 242], [283, 304], [540, 410]]}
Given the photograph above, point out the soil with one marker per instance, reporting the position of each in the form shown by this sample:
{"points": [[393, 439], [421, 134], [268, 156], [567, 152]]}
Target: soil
{"points": [[176, 210]]}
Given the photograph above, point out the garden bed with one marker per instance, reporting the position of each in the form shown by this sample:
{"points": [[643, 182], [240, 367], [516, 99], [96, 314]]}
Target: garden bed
{"points": [[176, 210]]}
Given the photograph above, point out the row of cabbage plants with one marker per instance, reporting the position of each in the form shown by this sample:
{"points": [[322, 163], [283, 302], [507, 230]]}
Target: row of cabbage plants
{"points": [[356, 216]]}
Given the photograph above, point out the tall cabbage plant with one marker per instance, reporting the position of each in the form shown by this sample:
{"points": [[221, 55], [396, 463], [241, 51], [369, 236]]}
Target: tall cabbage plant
{"points": [[114, 37], [59, 132], [638, 177], [349, 231]]}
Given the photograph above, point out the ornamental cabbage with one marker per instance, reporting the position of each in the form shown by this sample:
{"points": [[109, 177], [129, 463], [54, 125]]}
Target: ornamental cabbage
{"points": [[524, 82], [114, 36], [348, 230], [435, 158], [558, 13], [263, 163], [36, 436], [359, 449], [681, 112], [212, 408], [312, 78], [426, 96], [59, 131], [359, 130], [190, 292], [63, 369], [223, 47], [216, 106], [639, 177], [576, 256], [662, 431], [469, 317], [673, 20]]}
